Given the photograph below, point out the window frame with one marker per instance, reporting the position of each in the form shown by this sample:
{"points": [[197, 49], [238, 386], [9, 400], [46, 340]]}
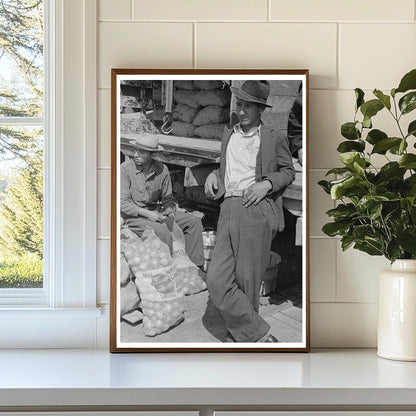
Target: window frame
{"points": [[70, 167]]}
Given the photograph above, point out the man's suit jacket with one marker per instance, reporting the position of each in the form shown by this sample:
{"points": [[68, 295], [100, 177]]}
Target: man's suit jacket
{"points": [[274, 162]]}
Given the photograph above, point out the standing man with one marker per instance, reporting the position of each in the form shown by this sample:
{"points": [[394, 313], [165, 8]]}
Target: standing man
{"points": [[256, 167], [294, 128], [146, 198]]}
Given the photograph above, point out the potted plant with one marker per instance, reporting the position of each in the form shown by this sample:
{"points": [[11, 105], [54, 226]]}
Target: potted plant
{"points": [[376, 206]]}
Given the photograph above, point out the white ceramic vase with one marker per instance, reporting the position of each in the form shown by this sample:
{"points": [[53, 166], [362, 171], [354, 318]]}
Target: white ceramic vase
{"points": [[397, 312]]}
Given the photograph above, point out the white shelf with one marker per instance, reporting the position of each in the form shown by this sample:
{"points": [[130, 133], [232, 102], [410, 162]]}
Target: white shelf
{"points": [[39, 378]]}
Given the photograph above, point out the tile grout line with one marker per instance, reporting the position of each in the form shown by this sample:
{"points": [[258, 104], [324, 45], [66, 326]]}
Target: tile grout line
{"points": [[306, 22], [131, 9], [269, 11], [335, 248], [338, 63], [194, 63]]}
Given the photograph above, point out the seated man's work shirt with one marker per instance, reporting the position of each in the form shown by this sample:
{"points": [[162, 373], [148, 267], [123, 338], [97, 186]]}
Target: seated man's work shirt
{"points": [[241, 157], [144, 190]]}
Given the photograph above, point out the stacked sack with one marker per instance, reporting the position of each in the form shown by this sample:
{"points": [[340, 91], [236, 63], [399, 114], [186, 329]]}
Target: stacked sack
{"points": [[202, 109], [161, 293]]}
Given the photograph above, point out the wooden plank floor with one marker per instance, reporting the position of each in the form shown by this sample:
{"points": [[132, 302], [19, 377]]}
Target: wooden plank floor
{"points": [[283, 311]]}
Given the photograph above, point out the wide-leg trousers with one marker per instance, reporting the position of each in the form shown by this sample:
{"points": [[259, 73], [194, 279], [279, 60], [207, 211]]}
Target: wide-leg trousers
{"points": [[190, 225], [239, 262]]}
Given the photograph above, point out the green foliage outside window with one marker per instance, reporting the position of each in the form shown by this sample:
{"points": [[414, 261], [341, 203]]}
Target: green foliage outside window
{"points": [[21, 147]]}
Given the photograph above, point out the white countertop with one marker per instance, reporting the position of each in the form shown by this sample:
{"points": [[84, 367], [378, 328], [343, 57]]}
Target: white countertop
{"points": [[96, 377]]}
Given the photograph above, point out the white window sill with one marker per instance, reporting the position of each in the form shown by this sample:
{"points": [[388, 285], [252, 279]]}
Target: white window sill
{"points": [[39, 327], [331, 379]]}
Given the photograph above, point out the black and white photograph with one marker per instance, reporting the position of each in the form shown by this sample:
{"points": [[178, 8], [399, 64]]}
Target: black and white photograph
{"points": [[209, 214]]}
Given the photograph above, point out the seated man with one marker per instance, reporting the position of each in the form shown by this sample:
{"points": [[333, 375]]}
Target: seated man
{"points": [[146, 199]]}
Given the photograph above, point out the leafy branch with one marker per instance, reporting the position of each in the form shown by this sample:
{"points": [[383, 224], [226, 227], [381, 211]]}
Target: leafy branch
{"points": [[376, 210]]}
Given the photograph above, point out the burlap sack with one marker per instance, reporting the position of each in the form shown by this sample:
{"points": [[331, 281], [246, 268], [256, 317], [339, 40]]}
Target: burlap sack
{"points": [[212, 114], [210, 131], [212, 97], [186, 97], [185, 85], [161, 293], [180, 128], [208, 85], [184, 112], [129, 298]]}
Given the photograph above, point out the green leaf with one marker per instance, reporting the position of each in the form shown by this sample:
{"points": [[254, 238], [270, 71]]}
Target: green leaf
{"points": [[349, 131], [408, 82], [368, 248], [361, 231], [359, 166], [369, 201], [333, 229], [407, 239], [359, 95], [399, 148], [408, 102], [342, 211], [348, 187], [374, 136], [383, 145], [408, 161], [348, 158], [391, 170], [346, 242], [411, 130], [367, 122], [338, 171], [325, 186], [375, 211], [371, 108], [393, 250], [349, 146], [385, 99]]}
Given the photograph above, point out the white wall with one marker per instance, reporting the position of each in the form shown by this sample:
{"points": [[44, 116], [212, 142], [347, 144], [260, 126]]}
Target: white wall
{"points": [[345, 44]]}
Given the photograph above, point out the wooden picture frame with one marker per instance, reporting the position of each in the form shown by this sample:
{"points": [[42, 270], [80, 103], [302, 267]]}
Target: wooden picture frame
{"points": [[192, 115]]}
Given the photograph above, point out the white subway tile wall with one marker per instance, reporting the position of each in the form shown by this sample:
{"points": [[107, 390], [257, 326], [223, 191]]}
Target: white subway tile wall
{"points": [[270, 46], [355, 10], [104, 128], [345, 44], [114, 10], [200, 10]]}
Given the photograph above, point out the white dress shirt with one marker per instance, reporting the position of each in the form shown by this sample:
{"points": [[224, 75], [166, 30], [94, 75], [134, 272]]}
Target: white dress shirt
{"points": [[241, 156]]}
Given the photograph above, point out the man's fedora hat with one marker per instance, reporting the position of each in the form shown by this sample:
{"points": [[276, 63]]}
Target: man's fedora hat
{"points": [[253, 92], [145, 141]]}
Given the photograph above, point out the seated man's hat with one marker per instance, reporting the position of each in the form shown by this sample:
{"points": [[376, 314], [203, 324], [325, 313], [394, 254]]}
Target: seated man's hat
{"points": [[145, 141], [253, 91]]}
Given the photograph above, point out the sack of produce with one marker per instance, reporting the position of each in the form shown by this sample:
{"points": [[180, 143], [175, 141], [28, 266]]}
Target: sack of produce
{"points": [[186, 271], [136, 123], [211, 114], [208, 85], [129, 298], [125, 272], [212, 97], [185, 85], [129, 101], [180, 128], [186, 97], [163, 301], [210, 131], [184, 112]]}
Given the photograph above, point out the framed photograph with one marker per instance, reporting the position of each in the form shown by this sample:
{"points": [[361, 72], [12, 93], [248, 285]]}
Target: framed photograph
{"points": [[209, 212]]}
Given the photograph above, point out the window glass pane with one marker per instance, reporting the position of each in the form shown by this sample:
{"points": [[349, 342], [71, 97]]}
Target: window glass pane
{"points": [[21, 210], [21, 58]]}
